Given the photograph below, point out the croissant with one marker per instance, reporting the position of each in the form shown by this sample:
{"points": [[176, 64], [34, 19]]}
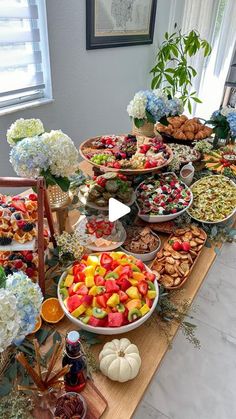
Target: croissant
{"points": [[208, 131], [179, 135], [189, 135], [169, 130], [159, 127], [188, 126], [200, 135], [183, 118]]}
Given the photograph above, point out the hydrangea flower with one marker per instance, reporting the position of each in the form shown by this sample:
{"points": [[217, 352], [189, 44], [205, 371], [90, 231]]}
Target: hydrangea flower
{"points": [[63, 153], [231, 118], [24, 128], [175, 107], [28, 302], [137, 106], [29, 157], [156, 103], [156, 106], [9, 319]]}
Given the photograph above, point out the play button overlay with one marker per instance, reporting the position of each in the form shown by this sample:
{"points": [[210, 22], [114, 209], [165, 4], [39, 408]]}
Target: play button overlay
{"points": [[117, 210]]}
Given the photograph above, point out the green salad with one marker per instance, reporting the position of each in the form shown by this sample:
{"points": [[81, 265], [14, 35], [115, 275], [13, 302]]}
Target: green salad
{"points": [[214, 199]]}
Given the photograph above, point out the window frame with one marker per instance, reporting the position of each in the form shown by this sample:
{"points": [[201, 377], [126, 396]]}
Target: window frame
{"points": [[24, 99]]}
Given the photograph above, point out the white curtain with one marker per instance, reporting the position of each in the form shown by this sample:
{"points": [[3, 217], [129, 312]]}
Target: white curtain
{"points": [[216, 21]]}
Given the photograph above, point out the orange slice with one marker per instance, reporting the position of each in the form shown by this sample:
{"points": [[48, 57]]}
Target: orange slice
{"points": [[37, 326], [51, 311]]}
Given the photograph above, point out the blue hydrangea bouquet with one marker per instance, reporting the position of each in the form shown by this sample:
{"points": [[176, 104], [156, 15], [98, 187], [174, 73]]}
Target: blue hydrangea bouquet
{"points": [[224, 124], [35, 152], [153, 106]]}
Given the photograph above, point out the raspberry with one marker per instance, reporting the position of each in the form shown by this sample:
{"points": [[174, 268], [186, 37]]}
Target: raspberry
{"points": [[29, 272], [29, 257], [33, 197]]}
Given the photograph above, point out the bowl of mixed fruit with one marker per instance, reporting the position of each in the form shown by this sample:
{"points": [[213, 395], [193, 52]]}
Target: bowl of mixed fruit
{"points": [[99, 234], [162, 198], [128, 154], [95, 193], [108, 293]]}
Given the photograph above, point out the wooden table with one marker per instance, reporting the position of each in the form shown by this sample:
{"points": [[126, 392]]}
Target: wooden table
{"points": [[124, 398]]}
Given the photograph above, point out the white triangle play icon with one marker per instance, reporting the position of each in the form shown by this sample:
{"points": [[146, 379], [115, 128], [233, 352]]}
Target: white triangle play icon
{"points": [[117, 210]]}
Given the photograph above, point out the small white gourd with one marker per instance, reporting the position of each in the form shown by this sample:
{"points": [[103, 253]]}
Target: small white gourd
{"points": [[120, 360]]}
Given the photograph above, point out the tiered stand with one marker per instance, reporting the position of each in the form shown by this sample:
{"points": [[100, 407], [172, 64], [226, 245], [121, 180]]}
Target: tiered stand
{"points": [[43, 209]]}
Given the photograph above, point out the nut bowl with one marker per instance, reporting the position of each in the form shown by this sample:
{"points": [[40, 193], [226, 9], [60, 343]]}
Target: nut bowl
{"points": [[145, 257]]}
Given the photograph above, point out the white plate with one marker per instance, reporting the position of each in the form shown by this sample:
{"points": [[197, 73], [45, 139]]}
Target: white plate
{"points": [[214, 222], [89, 204], [161, 218], [107, 330], [81, 229], [145, 257]]}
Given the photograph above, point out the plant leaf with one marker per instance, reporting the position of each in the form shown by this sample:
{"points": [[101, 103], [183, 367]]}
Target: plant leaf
{"points": [[139, 122], [63, 183], [150, 118], [2, 278], [42, 335], [90, 338], [56, 337], [5, 386]]}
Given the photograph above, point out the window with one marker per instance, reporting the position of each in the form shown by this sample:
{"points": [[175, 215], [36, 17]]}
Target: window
{"points": [[24, 54]]}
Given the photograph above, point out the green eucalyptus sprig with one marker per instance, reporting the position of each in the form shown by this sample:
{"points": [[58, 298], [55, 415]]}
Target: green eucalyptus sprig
{"points": [[172, 70]]}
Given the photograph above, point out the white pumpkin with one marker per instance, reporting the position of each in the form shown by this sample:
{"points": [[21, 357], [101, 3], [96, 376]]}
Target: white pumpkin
{"points": [[120, 360]]}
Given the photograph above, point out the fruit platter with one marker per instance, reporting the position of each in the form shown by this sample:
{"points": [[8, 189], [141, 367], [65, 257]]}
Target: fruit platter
{"points": [[99, 234], [108, 293], [128, 154], [96, 193], [162, 198], [214, 199], [141, 242], [182, 130], [174, 263], [18, 218]]}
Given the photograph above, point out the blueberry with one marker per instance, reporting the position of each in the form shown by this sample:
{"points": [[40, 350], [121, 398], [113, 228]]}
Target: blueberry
{"points": [[18, 217], [12, 209]]}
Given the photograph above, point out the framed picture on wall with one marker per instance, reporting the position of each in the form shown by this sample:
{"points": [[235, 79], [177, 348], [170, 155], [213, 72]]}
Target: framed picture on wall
{"points": [[118, 23]]}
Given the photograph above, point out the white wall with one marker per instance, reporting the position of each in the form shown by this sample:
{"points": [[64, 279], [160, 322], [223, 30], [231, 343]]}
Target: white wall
{"points": [[91, 88]]}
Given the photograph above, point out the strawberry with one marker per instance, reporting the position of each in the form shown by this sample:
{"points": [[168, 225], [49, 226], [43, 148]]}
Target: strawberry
{"points": [[177, 246], [29, 272], [186, 246], [18, 205], [116, 165], [18, 264], [29, 257], [33, 197]]}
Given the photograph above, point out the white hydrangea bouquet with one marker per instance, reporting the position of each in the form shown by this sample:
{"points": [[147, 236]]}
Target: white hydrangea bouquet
{"points": [[152, 106], [38, 153], [20, 302]]}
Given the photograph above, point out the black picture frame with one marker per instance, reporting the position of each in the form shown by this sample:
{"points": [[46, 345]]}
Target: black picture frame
{"points": [[96, 42]]}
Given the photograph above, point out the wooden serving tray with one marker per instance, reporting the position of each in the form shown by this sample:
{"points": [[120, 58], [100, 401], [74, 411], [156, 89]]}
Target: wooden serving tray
{"points": [[97, 404], [88, 142], [194, 262]]}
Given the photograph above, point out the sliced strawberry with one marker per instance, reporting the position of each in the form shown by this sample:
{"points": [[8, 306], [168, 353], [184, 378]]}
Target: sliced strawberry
{"points": [[19, 206]]}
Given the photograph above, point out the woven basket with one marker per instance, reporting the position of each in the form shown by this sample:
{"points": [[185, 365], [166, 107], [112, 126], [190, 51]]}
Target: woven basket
{"points": [[5, 359], [57, 198], [147, 130]]}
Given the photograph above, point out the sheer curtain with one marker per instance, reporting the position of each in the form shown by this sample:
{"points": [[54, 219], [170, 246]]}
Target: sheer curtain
{"points": [[216, 21]]}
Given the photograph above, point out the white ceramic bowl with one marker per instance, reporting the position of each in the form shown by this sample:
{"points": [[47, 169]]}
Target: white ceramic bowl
{"points": [[149, 218], [107, 330], [213, 222], [145, 257]]}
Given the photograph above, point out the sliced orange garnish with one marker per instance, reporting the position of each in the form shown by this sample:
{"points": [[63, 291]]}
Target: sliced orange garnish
{"points": [[37, 326], [51, 311]]}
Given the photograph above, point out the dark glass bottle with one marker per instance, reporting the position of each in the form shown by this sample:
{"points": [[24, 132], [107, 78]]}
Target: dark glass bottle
{"points": [[75, 379]]}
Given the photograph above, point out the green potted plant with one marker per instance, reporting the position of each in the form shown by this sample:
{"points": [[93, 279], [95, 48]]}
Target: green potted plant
{"points": [[172, 70]]}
